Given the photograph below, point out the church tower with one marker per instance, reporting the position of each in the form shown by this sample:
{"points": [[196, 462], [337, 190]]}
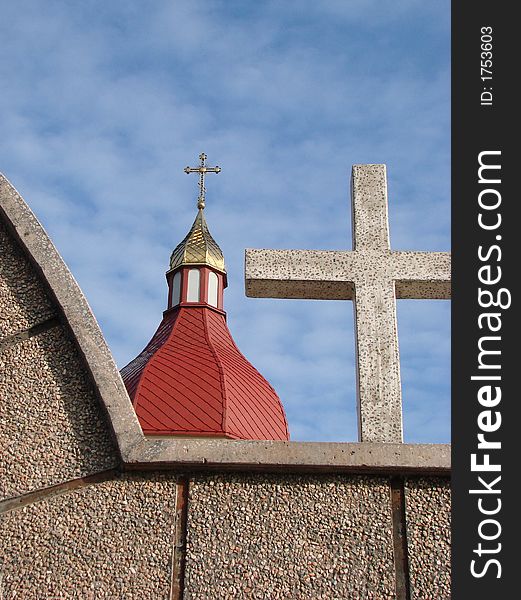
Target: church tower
{"points": [[191, 380]]}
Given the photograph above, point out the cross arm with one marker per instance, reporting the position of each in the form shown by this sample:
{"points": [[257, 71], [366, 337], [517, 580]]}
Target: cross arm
{"points": [[422, 274], [202, 170], [309, 274]]}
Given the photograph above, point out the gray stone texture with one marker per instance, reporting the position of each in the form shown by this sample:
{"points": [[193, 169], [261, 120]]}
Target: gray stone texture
{"points": [[373, 277], [289, 537], [428, 505], [52, 428], [23, 300], [107, 540]]}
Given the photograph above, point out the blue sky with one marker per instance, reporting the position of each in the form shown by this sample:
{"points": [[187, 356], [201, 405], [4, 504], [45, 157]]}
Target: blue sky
{"points": [[104, 103]]}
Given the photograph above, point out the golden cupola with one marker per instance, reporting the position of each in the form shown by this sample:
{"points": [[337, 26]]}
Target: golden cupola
{"points": [[198, 248]]}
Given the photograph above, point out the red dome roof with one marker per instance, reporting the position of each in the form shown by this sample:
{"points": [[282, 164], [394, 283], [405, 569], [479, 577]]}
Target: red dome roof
{"points": [[192, 380]]}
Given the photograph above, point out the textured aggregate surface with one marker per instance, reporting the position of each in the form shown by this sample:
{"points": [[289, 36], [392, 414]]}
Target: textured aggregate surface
{"points": [[108, 540], [22, 297], [44, 264], [51, 426], [289, 537], [428, 532]]}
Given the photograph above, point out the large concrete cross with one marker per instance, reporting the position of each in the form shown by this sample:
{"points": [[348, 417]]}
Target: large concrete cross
{"points": [[373, 276]]}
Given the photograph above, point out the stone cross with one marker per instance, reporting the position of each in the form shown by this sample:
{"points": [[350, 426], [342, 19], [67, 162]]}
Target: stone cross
{"points": [[373, 276]]}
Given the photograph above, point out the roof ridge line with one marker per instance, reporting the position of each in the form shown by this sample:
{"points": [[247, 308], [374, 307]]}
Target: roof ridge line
{"points": [[261, 376], [221, 371], [147, 364]]}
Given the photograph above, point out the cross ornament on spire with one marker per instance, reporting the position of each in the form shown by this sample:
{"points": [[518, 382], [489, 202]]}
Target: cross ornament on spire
{"points": [[202, 169], [371, 275]]}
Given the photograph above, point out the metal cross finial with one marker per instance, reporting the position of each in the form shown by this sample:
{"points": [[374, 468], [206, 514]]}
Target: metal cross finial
{"points": [[202, 169]]}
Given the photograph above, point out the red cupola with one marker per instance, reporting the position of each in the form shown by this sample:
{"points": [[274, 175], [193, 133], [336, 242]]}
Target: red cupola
{"points": [[191, 380]]}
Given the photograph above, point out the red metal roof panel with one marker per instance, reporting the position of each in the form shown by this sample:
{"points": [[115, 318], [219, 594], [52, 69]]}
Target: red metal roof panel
{"points": [[191, 379]]}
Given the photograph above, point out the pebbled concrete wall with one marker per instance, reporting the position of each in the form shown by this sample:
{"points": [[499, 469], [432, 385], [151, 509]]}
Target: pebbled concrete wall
{"points": [[22, 298], [428, 534], [112, 539], [52, 425], [303, 537], [52, 428], [297, 537]]}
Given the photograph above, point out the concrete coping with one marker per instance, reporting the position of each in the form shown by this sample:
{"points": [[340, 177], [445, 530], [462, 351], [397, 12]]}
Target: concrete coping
{"points": [[140, 453], [298, 457]]}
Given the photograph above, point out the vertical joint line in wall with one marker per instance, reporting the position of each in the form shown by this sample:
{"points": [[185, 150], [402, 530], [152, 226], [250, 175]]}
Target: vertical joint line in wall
{"points": [[179, 546], [401, 553]]}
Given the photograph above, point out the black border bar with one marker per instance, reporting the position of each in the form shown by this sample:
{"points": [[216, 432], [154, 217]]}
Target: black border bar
{"points": [[486, 255]]}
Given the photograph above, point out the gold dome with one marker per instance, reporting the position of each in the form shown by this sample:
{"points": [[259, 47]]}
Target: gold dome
{"points": [[198, 248]]}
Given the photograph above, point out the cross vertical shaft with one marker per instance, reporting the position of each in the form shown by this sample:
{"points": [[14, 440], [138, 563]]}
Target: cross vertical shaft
{"points": [[370, 223], [379, 393]]}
